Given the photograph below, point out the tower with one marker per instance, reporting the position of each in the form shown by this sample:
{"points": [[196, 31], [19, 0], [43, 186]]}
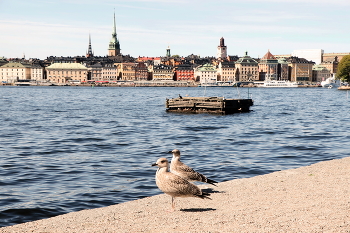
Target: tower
{"points": [[114, 46], [89, 53], [222, 49], [168, 52]]}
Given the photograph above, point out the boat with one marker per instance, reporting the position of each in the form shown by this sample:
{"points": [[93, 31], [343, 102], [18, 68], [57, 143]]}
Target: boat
{"points": [[330, 83], [277, 83]]}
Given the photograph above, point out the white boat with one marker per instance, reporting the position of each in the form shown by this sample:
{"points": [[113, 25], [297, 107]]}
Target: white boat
{"points": [[330, 83], [278, 83]]}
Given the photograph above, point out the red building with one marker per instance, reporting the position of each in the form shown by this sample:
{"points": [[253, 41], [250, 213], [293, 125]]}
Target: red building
{"points": [[184, 72]]}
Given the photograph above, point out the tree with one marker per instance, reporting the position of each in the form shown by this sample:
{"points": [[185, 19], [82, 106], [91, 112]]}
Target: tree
{"points": [[343, 71]]}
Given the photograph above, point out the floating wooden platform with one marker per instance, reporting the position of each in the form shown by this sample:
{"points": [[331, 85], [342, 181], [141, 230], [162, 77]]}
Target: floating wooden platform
{"points": [[217, 105]]}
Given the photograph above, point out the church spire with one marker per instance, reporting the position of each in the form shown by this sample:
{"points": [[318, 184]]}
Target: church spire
{"points": [[114, 46], [89, 53]]}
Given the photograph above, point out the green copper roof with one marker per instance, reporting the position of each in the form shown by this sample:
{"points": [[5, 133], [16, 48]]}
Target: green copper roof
{"points": [[207, 67], [16, 65]]}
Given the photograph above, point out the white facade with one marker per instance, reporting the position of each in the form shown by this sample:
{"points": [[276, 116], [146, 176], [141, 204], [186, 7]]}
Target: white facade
{"points": [[314, 55], [207, 74], [37, 73], [14, 71]]}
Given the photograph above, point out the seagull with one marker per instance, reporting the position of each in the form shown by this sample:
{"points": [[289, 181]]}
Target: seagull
{"points": [[174, 185], [179, 168]]}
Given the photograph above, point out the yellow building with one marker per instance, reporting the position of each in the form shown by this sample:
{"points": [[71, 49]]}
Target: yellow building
{"points": [[126, 71], [163, 73], [301, 69], [247, 69], [64, 72], [13, 71]]}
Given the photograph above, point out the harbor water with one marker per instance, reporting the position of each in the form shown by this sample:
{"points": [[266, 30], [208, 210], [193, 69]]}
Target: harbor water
{"points": [[66, 149]]}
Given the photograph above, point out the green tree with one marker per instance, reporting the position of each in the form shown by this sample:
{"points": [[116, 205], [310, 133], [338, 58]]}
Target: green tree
{"points": [[343, 71]]}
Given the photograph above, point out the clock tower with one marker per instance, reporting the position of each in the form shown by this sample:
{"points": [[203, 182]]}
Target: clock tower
{"points": [[222, 49]]}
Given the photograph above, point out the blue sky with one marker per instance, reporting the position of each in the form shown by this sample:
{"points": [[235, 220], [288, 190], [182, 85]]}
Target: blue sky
{"points": [[41, 28]]}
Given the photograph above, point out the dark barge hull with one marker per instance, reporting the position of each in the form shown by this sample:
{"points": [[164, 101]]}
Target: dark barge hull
{"points": [[216, 105]]}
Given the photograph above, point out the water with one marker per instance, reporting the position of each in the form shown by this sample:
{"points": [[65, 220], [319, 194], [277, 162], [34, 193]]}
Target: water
{"points": [[65, 149]]}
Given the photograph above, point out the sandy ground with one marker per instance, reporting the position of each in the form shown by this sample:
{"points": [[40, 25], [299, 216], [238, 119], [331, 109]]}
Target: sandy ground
{"points": [[315, 198]]}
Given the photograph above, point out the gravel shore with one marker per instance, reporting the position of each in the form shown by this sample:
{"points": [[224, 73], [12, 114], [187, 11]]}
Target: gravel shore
{"points": [[315, 198]]}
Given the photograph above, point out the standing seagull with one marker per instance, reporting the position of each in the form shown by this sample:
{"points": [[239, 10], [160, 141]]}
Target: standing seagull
{"points": [[174, 185], [179, 168]]}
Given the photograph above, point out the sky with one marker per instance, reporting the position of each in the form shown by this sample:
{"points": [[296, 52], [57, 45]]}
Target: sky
{"points": [[42, 28]]}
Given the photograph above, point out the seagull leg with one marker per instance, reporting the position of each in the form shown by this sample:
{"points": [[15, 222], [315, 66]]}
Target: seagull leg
{"points": [[173, 203]]}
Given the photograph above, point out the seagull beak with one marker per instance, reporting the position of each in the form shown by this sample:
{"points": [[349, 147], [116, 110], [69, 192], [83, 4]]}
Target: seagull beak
{"points": [[170, 152], [155, 164]]}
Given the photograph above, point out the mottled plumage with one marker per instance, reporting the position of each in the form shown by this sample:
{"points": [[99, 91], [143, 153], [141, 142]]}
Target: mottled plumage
{"points": [[174, 185], [179, 168]]}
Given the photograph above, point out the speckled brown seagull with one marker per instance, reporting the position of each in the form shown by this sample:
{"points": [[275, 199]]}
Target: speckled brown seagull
{"points": [[179, 168], [174, 185]]}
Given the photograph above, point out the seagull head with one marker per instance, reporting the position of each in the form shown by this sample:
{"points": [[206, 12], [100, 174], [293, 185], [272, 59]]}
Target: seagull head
{"points": [[161, 162], [176, 153]]}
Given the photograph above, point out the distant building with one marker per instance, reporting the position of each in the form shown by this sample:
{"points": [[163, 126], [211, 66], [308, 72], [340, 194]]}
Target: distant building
{"points": [[314, 55], [95, 72], [184, 72], [283, 69], [226, 71], [163, 73], [61, 73], [247, 69], [301, 69], [221, 50], [331, 63], [126, 71], [268, 67], [206, 74], [114, 46], [13, 71], [141, 71], [320, 73], [37, 72], [110, 72]]}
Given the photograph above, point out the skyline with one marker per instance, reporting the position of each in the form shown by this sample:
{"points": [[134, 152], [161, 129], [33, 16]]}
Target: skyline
{"points": [[39, 28]]}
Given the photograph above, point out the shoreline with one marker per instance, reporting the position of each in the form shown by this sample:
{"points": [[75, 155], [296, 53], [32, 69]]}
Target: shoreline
{"points": [[313, 198]]}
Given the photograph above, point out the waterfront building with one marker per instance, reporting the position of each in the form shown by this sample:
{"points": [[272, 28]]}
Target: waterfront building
{"points": [[331, 63], [301, 69], [114, 45], [14, 71], [283, 69], [141, 71], [206, 74], [95, 72], [268, 67], [247, 69], [110, 72], [126, 71], [162, 73], [226, 71], [221, 50], [184, 72], [320, 73], [61, 73], [37, 72]]}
